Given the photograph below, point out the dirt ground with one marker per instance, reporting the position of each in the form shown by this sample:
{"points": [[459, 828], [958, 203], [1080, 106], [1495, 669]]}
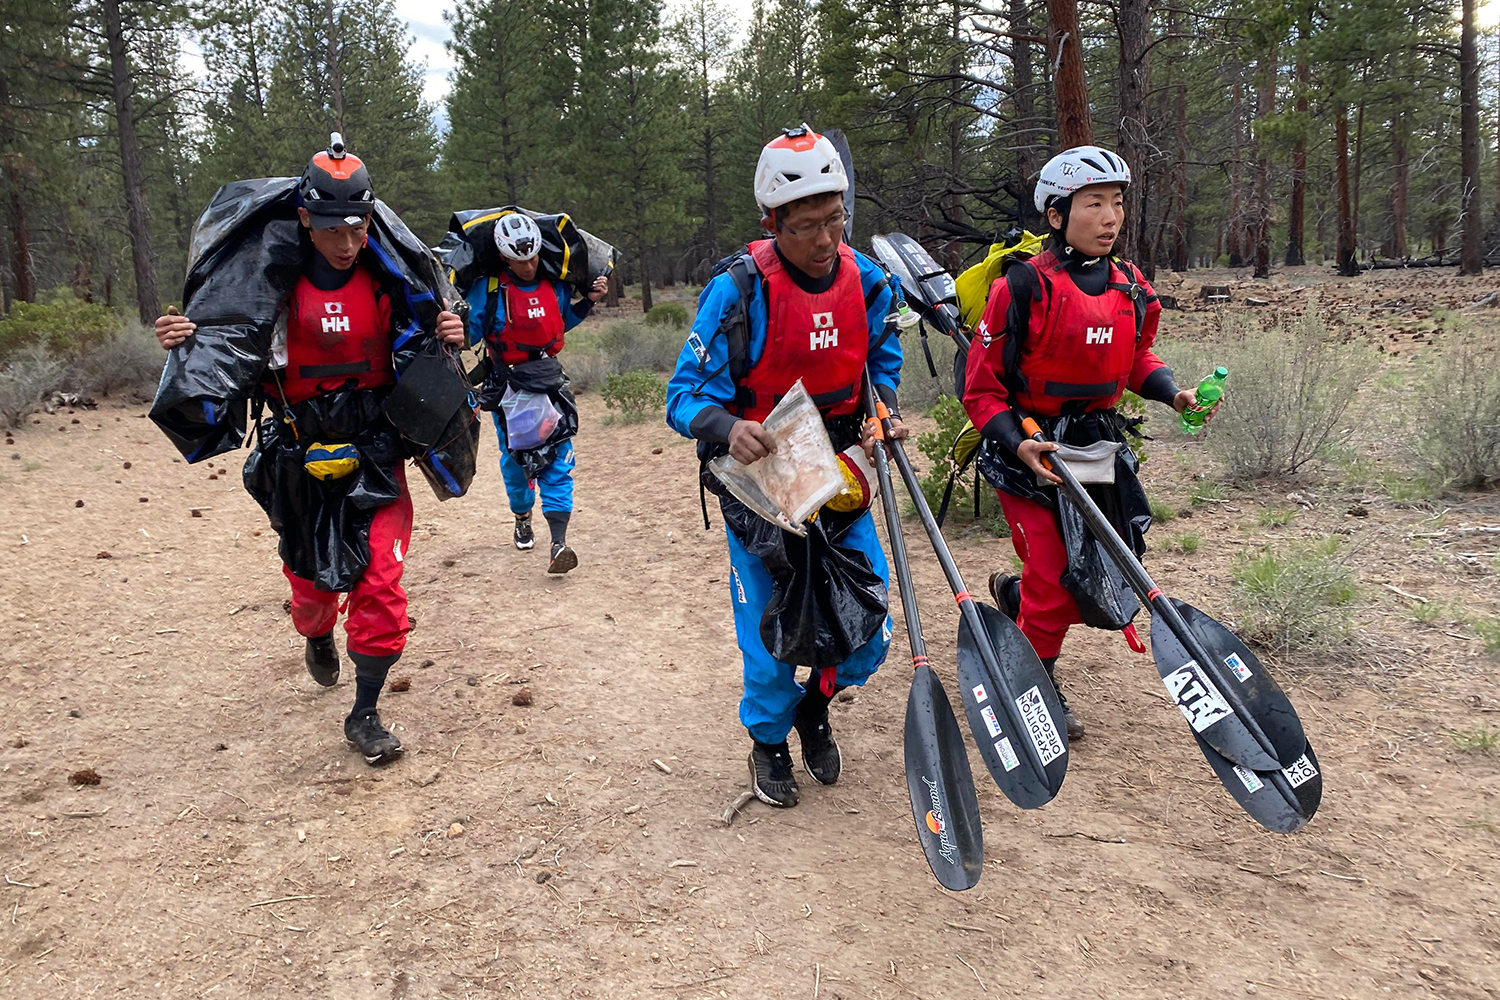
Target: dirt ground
{"points": [[235, 848]]}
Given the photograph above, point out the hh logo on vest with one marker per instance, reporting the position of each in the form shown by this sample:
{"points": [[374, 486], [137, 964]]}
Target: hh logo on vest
{"points": [[536, 310], [1099, 335], [335, 321], [824, 333]]}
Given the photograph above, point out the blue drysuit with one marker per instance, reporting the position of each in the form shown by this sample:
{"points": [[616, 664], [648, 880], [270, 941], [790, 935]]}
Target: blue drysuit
{"points": [[555, 481], [702, 382]]}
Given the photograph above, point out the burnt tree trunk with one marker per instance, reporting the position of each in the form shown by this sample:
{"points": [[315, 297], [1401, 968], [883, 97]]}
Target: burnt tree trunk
{"points": [[1348, 266], [137, 220], [1064, 44], [1132, 142], [1469, 261]]}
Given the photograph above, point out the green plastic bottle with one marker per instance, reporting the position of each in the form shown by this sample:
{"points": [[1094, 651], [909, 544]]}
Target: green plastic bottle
{"points": [[1210, 391]]}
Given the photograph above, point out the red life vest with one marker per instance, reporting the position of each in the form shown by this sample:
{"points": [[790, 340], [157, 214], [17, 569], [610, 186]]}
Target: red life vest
{"points": [[533, 322], [336, 339], [822, 339], [1078, 346]]}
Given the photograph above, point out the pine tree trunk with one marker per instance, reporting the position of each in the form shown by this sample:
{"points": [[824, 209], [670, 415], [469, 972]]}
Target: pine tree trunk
{"points": [[1359, 163], [1180, 259], [1236, 150], [1265, 107], [1347, 264], [1296, 215], [1066, 49], [1400, 185], [137, 221], [1024, 80], [645, 284], [1468, 67], [335, 77], [22, 275], [1132, 141]]}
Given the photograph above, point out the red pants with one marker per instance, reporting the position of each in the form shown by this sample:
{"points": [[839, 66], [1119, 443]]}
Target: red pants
{"points": [[376, 623], [1047, 609]]}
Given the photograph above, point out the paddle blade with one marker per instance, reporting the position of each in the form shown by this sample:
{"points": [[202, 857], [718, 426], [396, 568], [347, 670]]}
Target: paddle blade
{"points": [[1283, 800], [943, 801], [1009, 699], [1198, 690]]}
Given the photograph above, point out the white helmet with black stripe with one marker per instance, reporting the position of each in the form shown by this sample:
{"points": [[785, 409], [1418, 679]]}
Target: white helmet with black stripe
{"points": [[517, 236], [1077, 168]]}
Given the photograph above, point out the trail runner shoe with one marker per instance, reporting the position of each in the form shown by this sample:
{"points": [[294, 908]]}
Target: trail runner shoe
{"points": [[771, 775], [524, 538], [1073, 722], [820, 754], [370, 738], [1005, 589], [322, 659], [563, 559]]}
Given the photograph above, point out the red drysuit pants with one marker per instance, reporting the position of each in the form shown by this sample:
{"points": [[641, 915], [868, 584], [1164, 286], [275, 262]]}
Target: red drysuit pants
{"points": [[1047, 609], [376, 623]]}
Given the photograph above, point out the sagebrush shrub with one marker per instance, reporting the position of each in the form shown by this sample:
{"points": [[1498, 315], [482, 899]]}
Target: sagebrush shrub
{"points": [[1456, 420], [1296, 599], [29, 373]]}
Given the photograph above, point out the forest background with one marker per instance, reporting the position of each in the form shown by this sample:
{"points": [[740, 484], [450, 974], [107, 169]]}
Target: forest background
{"points": [[1260, 131]]}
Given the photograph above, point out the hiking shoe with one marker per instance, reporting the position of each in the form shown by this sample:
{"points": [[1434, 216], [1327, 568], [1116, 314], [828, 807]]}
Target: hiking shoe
{"points": [[771, 774], [563, 559], [524, 538], [322, 658], [371, 739], [1073, 722], [820, 754], [1005, 590]]}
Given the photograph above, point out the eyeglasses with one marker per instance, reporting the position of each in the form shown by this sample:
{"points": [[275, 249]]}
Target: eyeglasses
{"points": [[833, 226]]}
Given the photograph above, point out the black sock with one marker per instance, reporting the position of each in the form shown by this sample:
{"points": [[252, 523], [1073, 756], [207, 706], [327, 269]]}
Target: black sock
{"points": [[557, 522], [814, 704], [369, 677]]}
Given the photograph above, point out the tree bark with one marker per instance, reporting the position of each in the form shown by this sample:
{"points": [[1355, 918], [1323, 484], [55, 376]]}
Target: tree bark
{"points": [[1132, 142], [335, 77], [1236, 151], [1468, 66], [1347, 264], [137, 220], [20, 235], [1400, 185], [1265, 106], [1359, 162], [1180, 260], [1296, 214], [1024, 97], [1064, 44]]}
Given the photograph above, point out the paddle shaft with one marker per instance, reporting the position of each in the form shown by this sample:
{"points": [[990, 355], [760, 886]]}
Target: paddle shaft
{"points": [[898, 545], [1141, 582], [950, 569]]}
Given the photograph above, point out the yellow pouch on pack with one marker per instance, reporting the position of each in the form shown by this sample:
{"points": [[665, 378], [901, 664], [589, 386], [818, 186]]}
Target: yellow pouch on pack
{"points": [[859, 482], [330, 461], [974, 284], [966, 444]]}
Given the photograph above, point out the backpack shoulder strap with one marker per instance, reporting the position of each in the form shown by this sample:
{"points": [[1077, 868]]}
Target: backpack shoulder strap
{"points": [[1135, 289]]}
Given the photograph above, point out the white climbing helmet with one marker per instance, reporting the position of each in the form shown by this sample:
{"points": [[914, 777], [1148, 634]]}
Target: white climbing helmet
{"points": [[1078, 168], [795, 164], [518, 237]]}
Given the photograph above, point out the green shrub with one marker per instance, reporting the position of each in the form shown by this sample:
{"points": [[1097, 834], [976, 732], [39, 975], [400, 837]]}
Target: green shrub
{"points": [[1296, 599], [128, 361], [1207, 492], [1456, 420], [1489, 633], [1482, 739], [1186, 543], [68, 325], [1278, 518], [1162, 512], [667, 314], [937, 447], [633, 346], [1290, 387], [635, 394]]}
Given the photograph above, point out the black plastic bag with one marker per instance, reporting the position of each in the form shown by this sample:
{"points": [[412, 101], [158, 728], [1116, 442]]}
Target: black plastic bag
{"points": [[568, 253], [827, 600], [324, 525], [246, 253], [449, 466]]}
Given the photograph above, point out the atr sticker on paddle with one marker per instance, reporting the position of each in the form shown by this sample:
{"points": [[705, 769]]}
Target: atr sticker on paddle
{"points": [[1049, 745], [1237, 665], [1007, 754], [1248, 778], [990, 722], [1300, 772], [1197, 698]]}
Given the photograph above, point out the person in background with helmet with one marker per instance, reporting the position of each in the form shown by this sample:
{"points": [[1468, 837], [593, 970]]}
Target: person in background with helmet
{"points": [[816, 310], [333, 345], [1063, 336], [521, 317]]}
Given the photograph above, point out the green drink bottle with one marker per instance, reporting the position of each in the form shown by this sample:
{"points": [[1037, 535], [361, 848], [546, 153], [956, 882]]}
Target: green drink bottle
{"points": [[1210, 391]]}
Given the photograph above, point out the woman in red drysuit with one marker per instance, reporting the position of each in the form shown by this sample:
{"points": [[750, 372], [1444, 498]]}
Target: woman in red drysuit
{"points": [[1062, 337]]}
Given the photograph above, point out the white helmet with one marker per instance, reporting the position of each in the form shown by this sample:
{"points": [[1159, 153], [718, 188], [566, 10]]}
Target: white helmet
{"points": [[1078, 168], [518, 237], [796, 164]]}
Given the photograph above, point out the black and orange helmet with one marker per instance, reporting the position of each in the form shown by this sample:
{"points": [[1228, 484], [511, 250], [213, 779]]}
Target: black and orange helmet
{"points": [[335, 188]]}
